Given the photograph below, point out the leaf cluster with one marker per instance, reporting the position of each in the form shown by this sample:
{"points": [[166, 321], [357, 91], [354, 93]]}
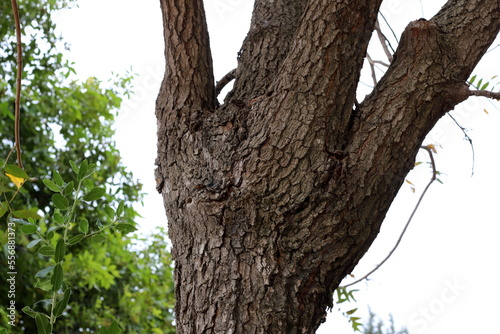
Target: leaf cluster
{"points": [[70, 263]]}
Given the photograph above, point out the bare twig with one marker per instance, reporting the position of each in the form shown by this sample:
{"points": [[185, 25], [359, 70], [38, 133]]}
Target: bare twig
{"points": [[372, 67], [372, 63], [493, 48], [485, 93], [393, 33], [224, 81], [469, 139], [433, 178], [383, 41], [17, 136]]}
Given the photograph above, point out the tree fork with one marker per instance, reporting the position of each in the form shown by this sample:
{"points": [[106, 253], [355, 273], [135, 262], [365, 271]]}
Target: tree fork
{"points": [[275, 196]]}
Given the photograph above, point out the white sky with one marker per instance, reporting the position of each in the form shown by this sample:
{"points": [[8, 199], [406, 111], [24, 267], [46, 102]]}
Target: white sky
{"points": [[442, 278]]}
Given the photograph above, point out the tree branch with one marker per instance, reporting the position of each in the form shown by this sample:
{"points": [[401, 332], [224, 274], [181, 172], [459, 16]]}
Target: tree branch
{"points": [[219, 86], [328, 55], [267, 44], [189, 70], [383, 41], [17, 125], [485, 93], [470, 27]]}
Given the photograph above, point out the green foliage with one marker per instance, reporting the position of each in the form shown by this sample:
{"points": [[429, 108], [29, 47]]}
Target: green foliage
{"points": [[73, 259], [347, 296], [377, 327], [482, 84]]}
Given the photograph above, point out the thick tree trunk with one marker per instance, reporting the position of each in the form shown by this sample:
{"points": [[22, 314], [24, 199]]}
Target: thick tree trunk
{"points": [[273, 197]]}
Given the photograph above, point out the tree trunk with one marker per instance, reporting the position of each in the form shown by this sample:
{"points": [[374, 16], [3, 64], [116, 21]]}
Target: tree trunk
{"points": [[273, 197]]}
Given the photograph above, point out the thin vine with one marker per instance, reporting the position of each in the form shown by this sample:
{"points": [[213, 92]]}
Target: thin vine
{"points": [[429, 149]]}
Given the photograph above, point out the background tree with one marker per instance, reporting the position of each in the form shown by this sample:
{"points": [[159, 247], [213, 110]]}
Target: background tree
{"points": [[125, 279], [376, 326], [274, 196]]}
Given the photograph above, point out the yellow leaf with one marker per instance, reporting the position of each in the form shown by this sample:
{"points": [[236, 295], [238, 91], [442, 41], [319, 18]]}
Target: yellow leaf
{"points": [[412, 186], [432, 148], [18, 181], [486, 111]]}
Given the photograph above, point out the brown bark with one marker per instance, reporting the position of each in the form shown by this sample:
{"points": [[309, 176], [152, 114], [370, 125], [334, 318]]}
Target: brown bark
{"points": [[273, 197]]}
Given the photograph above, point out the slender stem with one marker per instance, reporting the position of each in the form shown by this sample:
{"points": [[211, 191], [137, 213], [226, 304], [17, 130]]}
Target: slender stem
{"points": [[383, 41], [18, 83], [433, 178], [52, 318]]}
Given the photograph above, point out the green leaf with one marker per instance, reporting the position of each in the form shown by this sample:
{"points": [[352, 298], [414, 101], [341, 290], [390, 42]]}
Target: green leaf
{"points": [[351, 311], [3, 330], [33, 243], [484, 86], [53, 228], [125, 228], [120, 209], [3, 208], [44, 272], [4, 189], [479, 82], [57, 277], [76, 239], [51, 185], [16, 171], [74, 167], [19, 221], [70, 187], [29, 229], [82, 170], [57, 178], [84, 226], [94, 194], [98, 238], [103, 330], [471, 81], [63, 303], [99, 224], [109, 212], [44, 283], [58, 218], [114, 328], [60, 201], [29, 311], [60, 250], [26, 214], [46, 251], [42, 324]]}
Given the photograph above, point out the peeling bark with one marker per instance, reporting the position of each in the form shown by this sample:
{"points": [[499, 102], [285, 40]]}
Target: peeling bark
{"points": [[273, 197]]}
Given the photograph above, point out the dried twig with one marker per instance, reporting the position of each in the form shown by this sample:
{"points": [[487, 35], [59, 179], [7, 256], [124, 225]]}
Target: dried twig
{"points": [[224, 81], [372, 67], [383, 41], [393, 33], [469, 139]]}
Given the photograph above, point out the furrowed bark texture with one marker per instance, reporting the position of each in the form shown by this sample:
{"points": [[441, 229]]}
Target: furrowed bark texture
{"points": [[273, 197]]}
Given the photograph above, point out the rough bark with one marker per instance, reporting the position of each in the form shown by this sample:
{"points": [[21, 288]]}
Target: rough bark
{"points": [[273, 197]]}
